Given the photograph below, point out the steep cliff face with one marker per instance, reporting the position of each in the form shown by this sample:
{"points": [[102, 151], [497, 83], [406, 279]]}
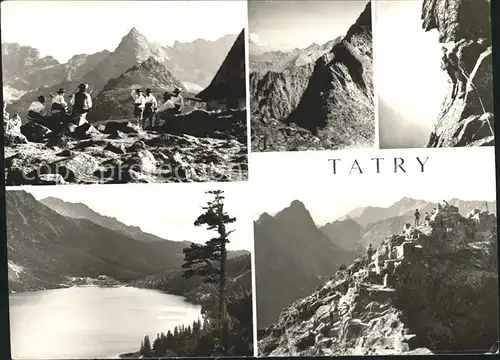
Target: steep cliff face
{"points": [[466, 116], [338, 102], [433, 289], [274, 95]]}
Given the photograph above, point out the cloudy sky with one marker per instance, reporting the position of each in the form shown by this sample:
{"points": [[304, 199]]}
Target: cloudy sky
{"points": [[407, 63], [285, 25], [66, 28], [165, 210], [280, 178]]}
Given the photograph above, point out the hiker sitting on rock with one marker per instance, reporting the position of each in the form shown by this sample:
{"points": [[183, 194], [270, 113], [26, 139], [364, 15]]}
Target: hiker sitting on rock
{"points": [[167, 108], [417, 218], [150, 107], [139, 103], [178, 100], [82, 102], [59, 106], [37, 112]]}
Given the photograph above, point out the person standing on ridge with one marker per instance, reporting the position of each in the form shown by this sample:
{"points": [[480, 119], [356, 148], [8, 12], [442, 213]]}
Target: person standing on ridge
{"points": [[59, 106], [417, 218], [139, 103], [178, 100], [369, 254], [150, 107], [82, 102], [37, 112]]}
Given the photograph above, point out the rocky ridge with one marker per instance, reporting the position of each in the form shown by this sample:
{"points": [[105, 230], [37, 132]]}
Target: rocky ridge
{"points": [[464, 27], [335, 109], [431, 290], [115, 102]]}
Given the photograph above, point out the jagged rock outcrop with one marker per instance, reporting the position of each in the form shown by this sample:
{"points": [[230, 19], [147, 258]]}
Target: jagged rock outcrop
{"points": [[284, 246], [336, 108], [274, 95], [229, 83], [432, 289], [26, 75], [464, 27], [115, 101]]}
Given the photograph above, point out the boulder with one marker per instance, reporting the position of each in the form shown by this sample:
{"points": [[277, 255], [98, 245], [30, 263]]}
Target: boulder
{"points": [[35, 132], [71, 168]]}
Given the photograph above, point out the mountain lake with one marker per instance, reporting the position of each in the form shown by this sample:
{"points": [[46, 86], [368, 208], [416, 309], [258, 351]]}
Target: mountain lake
{"points": [[91, 322]]}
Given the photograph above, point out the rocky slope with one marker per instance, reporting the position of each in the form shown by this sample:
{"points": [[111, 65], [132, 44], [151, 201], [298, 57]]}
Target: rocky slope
{"points": [[115, 102], [45, 247], [466, 117], [191, 147], [431, 290], [25, 70], [336, 109], [292, 257], [275, 94], [82, 211]]}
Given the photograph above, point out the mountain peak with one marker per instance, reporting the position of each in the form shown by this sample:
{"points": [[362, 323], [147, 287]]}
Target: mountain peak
{"points": [[297, 204]]}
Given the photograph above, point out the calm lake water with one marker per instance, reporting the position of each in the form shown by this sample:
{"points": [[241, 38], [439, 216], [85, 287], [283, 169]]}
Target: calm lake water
{"points": [[86, 322]]}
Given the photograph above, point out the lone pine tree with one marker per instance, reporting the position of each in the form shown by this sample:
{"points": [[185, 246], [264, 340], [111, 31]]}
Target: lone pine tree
{"points": [[202, 260]]}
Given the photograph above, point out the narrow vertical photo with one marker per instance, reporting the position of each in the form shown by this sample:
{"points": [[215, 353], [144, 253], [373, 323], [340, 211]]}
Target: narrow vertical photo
{"points": [[434, 75], [91, 276], [311, 75], [146, 100], [378, 264]]}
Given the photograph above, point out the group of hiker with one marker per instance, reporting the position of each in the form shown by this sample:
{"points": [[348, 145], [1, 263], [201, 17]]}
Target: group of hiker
{"points": [[146, 107], [59, 113]]}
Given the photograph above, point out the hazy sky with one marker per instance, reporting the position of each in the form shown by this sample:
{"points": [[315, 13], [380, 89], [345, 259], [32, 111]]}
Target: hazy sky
{"points": [[285, 25], [279, 178], [166, 210], [407, 62], [65, 28]]}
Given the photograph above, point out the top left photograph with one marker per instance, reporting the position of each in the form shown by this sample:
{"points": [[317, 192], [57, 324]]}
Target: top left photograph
{"points": [[124, 92]]}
